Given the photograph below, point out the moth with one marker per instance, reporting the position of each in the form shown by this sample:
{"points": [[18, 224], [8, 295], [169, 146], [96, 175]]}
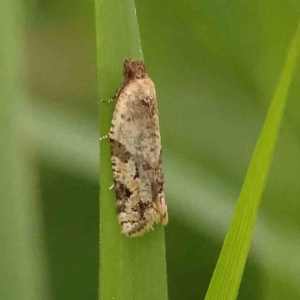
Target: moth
{"points": [[136, 153]]}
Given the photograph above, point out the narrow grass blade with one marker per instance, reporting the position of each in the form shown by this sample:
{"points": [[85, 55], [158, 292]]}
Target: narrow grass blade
{"points": [[229, 270], [130, 269]]}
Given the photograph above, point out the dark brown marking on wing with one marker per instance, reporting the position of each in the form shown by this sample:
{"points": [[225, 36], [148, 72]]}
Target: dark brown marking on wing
{"points": [[137, 228], [141, 207], [146, 167], [119, 150], [122, 192], [120, 207], [148, 106], [154, 190], [137, 173]]}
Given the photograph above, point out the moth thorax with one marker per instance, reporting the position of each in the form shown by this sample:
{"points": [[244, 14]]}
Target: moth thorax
{"points": [[133, 69]]}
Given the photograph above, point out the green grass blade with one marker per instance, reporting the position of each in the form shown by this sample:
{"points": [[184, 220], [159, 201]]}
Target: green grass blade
{"points": [[129, 268], [229, 270]]}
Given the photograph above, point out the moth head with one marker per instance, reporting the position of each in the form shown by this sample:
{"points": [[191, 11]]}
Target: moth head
{"points": [[133, 69]]}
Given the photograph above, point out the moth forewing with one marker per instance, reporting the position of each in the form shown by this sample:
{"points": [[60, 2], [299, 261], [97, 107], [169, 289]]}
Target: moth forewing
{"points": [[136, 153]]}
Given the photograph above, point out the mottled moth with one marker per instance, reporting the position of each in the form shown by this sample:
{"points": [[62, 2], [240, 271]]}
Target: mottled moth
{"points": [[136, 153]]}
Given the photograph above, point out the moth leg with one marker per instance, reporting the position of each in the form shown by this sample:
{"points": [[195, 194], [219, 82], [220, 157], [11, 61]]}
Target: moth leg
{"points": [[112, 186], [109, 100], [104, 137], [115, 96]]}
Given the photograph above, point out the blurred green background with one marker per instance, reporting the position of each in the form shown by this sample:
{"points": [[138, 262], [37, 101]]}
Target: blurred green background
{"points": [[215, 65]]}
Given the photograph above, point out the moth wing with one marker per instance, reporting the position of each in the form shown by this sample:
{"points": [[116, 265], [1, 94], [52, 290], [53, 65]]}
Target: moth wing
{"points": [[136, 159]]}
